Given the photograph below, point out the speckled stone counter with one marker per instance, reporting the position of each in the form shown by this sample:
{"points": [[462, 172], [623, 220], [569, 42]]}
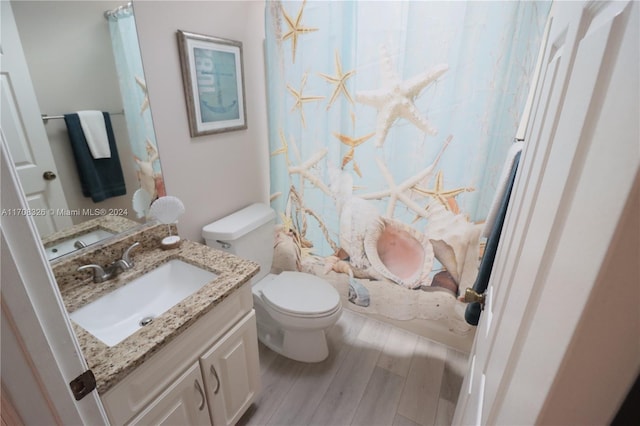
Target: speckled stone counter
{"points": [[112, 364], [114, 224]]}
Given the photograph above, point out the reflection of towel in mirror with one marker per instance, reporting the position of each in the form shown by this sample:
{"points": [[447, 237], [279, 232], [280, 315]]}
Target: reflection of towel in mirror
{"points": [[100, 178], [95, 133]]}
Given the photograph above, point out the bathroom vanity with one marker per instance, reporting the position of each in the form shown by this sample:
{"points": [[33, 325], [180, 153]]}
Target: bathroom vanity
{"points": [[196, 363]]}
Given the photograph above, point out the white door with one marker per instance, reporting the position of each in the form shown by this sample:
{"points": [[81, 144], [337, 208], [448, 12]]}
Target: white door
{"points": [[577, 173], [25, 134], [231, 372], [182, 403]]}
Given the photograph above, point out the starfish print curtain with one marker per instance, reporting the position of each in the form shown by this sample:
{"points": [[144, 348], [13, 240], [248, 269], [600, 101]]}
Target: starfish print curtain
{"points": [[392, 110], [133, 89]]}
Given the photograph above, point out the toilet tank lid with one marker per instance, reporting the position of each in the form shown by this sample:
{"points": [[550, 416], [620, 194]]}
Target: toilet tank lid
{"points": [[238, 224]]}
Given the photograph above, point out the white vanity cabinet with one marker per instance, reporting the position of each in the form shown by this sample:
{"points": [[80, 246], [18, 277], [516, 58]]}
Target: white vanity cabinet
{"points": [[183, 403], [209, 374], [231, 373]]}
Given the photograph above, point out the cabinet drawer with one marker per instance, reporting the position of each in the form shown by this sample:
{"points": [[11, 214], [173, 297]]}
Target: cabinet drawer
{"points": [[148, 380]]}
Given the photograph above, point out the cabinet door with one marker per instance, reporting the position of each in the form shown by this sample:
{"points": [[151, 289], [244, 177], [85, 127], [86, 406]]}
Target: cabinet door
{"points": [[182, 403], [231, 372]]}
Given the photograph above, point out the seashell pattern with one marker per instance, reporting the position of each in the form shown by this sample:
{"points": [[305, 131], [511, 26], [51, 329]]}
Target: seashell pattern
{"points": [[358, 294], [399, 252], [358, 217], [381, 247], [166, 209], [452, 237], [286, 256]]}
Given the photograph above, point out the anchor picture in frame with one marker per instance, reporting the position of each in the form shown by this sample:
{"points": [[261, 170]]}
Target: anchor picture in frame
{"points": [[212, 73]]}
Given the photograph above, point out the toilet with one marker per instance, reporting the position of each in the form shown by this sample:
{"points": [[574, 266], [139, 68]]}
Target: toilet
{"points": [[293, 309]]}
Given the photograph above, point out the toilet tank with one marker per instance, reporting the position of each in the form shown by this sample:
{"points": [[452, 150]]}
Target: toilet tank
{"points": [[247, 233]]}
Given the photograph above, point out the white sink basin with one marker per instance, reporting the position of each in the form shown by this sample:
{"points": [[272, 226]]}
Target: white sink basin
{"points": [[117, 315], [67, 246]]}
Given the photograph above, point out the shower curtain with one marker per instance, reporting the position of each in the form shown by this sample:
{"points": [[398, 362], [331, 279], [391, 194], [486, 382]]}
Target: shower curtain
{"points": [[389, 125], [133, 89]]}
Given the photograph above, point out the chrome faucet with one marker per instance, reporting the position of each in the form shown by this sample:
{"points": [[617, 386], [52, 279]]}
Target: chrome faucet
{"points": [[101, 274], [79, 244]]}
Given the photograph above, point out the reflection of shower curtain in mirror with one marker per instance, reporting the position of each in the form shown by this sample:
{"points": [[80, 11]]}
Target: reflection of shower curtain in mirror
{"points": [[135, 100], [389, 125]]}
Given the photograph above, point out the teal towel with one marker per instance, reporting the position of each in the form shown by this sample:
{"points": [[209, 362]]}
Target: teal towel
{"points": [[472, 312], [102, 178]]}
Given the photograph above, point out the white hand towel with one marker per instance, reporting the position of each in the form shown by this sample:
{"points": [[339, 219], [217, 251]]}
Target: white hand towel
{"points": [[95, 132]]}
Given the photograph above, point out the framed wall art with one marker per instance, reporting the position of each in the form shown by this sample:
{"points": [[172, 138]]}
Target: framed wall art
{"points": [[212, 73]]}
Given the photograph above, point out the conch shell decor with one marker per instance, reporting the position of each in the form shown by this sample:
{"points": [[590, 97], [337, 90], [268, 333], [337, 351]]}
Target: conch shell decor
{"points": [[380, 246], [399, 253], [455, 242]]}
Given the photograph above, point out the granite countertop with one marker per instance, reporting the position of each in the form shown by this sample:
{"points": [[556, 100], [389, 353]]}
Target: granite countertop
{"points": [[112, 364], [114, 224]]}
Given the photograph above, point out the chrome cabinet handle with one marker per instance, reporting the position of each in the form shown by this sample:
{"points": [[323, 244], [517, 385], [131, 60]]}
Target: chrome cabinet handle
{"points": [[213, 372], [199, 389]]}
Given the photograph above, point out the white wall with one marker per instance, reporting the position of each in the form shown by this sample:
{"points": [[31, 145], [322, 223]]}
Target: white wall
{"points": [[213, 175], [68, 50]]}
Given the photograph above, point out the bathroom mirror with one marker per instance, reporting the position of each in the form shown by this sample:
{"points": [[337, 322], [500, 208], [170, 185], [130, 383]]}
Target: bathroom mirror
{"points": [[81, 58]]}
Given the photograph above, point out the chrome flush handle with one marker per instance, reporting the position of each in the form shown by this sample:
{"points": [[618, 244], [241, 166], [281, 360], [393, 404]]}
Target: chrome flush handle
{"points": [[225, 245]]}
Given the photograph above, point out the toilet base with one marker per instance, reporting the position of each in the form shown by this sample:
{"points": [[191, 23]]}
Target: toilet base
{"points": [[299, 346], [305, 346]]}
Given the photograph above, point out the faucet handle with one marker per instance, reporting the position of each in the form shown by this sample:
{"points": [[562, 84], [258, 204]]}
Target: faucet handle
{"points": [[98, 273], [126, 255]]}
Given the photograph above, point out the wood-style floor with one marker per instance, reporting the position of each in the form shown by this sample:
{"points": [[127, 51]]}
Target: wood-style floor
{"points": [[376, 374]]}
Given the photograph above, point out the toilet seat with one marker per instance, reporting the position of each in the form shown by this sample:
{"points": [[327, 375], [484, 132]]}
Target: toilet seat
{"points": [[299, 294]]}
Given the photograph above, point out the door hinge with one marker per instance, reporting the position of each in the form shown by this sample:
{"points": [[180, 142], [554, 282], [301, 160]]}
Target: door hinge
{"points": [[82, 385]]}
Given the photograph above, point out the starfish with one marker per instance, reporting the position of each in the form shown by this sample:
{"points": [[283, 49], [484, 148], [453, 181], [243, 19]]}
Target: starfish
{"points": [[145, 101], [301, 100], [295, 29], [340, 82], [396, 98], [287, 223], [443, 196], [399, 192], [284, 149], [304, 171], [352, 143]]}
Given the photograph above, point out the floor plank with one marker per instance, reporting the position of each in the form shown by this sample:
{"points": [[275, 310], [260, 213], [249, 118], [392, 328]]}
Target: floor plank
{"points": [[398, 351], [455, 367], [310, 387], [380, 400], [276, 382], [376, 374], [266, 356], [341, 400], [400, 420], [419, 400], [444, 413]]}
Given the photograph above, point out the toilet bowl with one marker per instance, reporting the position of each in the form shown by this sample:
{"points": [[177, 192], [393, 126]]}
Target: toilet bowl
{"points": [[293, 309]]}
